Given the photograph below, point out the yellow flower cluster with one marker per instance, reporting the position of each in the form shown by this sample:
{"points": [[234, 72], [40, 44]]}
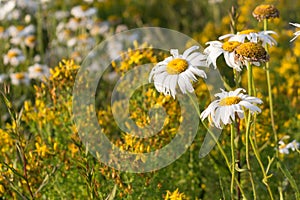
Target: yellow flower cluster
{"points": [[175, 195]]}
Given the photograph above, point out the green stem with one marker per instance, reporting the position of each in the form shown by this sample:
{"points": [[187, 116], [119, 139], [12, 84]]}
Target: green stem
{"points": [[250, 79], [270, 91], [265, 179], [232, 160], [248, 124]]}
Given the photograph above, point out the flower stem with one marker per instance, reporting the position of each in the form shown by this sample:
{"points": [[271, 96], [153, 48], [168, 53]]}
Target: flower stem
{"points": [[232, 160], [248, 124], [270, 91], [250, 80], [265, 179]]}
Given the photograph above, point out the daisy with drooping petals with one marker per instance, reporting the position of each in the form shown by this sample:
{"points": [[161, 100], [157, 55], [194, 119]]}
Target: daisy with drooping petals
{"points": [[216, 48], [252, 53], [297, 33], [252, 36], [224, 110], [178, 70]]}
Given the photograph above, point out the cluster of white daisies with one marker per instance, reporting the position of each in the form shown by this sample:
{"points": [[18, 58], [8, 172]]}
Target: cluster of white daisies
{"points": [[180, 70]]}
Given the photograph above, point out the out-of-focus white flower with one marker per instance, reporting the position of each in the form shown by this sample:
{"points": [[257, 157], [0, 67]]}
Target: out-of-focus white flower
{"points": [[214, 1], [82, 41], [224, 110], [99, 28], [19, 78], [38, 71], [59, 15], [178, 70], [21, 31], [3, 33], [30, 41], [6, 8], [14, 57], [285, 148], [83, 11], [252, 36], [297, 33], [74, 24], [3, 77]]}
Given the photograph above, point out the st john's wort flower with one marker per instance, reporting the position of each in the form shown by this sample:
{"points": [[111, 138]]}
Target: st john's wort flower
{"points": [[216, 48], [252, 53], [228, 106], [297, 33], [178, 70], [267, 11], [252, 36]]}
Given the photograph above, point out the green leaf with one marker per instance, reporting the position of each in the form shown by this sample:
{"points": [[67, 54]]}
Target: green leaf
{"points": [[290, 178]]}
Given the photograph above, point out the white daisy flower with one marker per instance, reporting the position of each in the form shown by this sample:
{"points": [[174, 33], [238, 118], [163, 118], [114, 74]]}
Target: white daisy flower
{"points": [[216, 48], [224, 110], [14, 57], [20, 78], [83, 11], [252, 36], [297, 33], [178, 70], [38, 71], [284, 148]]}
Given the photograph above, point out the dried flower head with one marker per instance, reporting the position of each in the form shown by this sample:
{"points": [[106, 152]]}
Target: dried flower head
{"points": [[267, 11], [251, 52]]}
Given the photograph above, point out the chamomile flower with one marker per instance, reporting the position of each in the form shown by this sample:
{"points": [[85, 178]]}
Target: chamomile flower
{"points": [[297, 33], [14, 57], [216, 48], [252, 36], [38, 71], [83, 11], [285, 148], [19, 78], [178, 69], [262, 12], [230, 105], [251, 52]]}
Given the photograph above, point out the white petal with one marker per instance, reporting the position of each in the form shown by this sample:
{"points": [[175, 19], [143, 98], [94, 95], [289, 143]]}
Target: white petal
{"points": [[187, 52]]}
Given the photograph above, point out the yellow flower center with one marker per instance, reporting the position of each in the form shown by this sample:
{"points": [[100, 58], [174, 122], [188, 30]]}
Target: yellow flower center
{"points": [[84, 7], [230, 45], [38, 69], [12, 54], [19, 76], [252, 51], [1, 29], [227, 101], [177, 66], [20, 28], [265, 12], [247, 31], [30, 39]]}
